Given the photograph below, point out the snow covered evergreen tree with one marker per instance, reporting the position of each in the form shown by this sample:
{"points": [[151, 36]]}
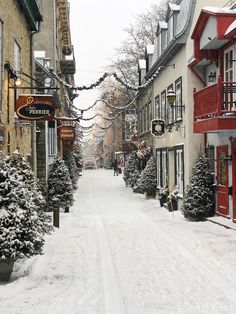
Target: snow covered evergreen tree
{"points": [[148, 179], [20, 226], [59, 184], [72, 167], [77, 153], [129, 169], [26, 175], [198, 202]]}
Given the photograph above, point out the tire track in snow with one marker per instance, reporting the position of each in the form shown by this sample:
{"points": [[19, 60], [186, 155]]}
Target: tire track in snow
{"points": [[112, 297]]}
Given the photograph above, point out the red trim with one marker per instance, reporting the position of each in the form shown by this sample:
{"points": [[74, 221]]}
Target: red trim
{"points": [[214, 124]]}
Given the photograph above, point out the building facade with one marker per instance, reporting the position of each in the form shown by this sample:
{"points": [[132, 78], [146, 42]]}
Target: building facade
{"points": [[166, 67], [214, 103]]}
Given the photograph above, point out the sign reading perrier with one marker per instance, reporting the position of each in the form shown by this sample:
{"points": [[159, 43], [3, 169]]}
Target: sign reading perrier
{"points": [[157, 127]]}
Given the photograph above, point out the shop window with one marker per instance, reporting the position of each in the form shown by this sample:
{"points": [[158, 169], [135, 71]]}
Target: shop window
{"points": [[52, 138]]}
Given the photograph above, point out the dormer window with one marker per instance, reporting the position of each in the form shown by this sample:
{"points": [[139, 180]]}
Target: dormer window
{"points": [[170, 32], [162, 36], [171, 20]]}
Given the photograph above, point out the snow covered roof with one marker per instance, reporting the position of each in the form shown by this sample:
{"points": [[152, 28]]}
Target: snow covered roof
{"points": [[231, 28], [162, 25], [219, 10], [142, 64], [174, 7], [149, 49]]}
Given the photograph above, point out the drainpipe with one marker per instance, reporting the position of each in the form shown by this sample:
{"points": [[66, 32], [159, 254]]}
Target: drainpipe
{"points": [[33, 123]]}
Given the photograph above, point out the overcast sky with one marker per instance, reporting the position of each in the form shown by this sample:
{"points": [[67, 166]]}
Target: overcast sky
{"points": [[97, 28]]}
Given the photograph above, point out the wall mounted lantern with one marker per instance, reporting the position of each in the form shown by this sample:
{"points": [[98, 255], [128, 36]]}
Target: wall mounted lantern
{"points": [[212, 77]]}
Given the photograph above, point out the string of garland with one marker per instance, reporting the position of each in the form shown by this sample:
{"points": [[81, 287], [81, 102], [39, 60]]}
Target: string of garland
{"points": [[101, 79]]}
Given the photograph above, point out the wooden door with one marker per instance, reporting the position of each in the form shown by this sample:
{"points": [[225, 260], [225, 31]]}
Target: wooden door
{"points": [[222, 181]]}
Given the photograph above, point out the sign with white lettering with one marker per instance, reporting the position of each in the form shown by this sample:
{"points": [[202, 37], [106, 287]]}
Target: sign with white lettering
{"points": [[66, 133], [35, 107]]}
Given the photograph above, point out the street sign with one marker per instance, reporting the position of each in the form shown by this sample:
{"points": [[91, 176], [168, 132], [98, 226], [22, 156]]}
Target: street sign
{"points": [[157, 127]]}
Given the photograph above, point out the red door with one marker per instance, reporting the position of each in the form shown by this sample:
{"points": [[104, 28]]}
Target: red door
{"points": [[234, 178], [222, 181]]}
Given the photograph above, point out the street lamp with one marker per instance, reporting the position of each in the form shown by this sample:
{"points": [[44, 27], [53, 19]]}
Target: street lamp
{"points": [[171, 96]]}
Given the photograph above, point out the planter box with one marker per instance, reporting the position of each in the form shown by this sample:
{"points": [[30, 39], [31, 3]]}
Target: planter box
{"points": [[6, 267]]}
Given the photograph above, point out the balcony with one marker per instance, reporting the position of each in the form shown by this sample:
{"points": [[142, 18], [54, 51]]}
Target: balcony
{"points": [[31, 11], [215, 107]]}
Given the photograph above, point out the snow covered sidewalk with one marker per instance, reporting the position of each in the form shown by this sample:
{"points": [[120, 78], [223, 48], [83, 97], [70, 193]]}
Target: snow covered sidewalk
{"points": [[118, 253]]}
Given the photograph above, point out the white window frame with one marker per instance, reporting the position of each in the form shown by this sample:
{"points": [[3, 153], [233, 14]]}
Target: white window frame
{"points": [[52, 141], [164, 167], [179, 171], [17, 56], [158, 161], [178, 100]]}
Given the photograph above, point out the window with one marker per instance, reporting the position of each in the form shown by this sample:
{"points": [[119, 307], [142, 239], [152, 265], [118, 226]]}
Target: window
{"points": [[229, 65], [158, 168], [17, 57], [170, 110], [157, 112], [179, 171], [52, 138], [210, 154], [164, 168], [161, 157], [170, 33], [178, 100], [163, 106]]}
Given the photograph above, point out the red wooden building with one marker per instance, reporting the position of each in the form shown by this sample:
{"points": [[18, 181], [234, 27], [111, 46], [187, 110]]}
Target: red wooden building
{"points": [[214, 63]]}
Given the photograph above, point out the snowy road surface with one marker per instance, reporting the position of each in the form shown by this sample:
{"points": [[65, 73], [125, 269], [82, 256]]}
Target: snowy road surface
{"points": [[118, 253]]}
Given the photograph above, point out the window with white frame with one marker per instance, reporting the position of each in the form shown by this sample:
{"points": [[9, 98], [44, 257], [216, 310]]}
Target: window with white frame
{"points": [[228, 65], [163, 106], [164, 167], [52, 138], [170, 30], [170, 109], [17, 57], [157, 107], [158, 160], [179, 170], [178, 100]]}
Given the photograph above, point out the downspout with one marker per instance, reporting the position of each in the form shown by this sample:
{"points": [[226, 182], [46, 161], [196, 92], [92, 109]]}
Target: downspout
{"points": [[33, 123]]}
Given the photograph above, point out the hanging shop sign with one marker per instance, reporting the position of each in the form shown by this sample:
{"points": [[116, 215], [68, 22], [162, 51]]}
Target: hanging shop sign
{"points": [[157, 127], [35, 107], [2, 134], [66, 133]]}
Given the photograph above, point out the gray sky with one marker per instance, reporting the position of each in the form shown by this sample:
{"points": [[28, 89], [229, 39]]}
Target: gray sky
{"points": [[97, 29]]}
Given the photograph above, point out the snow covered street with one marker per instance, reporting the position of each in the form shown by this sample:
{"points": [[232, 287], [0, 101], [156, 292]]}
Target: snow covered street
{"points": [[119, 253]]}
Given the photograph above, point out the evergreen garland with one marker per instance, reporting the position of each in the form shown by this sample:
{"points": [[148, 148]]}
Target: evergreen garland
{"points": [[198, 202]]}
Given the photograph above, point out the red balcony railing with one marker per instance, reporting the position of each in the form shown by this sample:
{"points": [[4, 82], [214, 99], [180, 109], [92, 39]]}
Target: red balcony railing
{"points": [[215, 100]]}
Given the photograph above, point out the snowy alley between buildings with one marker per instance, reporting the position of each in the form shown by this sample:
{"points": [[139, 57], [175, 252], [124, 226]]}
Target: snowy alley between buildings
{"points": [[119, 253]]}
